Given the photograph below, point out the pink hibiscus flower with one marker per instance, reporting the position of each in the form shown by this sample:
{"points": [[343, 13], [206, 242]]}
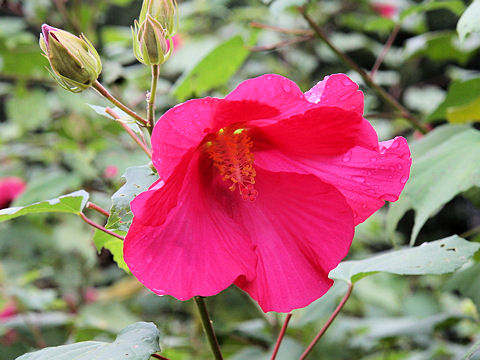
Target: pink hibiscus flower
{"points": [[10, 188], [261, 189]]}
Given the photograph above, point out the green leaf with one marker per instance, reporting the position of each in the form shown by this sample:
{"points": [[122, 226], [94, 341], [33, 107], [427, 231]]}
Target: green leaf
{"points": [[71, 203], [213, 70], [114, 245], [460, 93], [278, 6], [455, 6], [445, 163], [136, 342], [465, 113], [468, 22], [138, 179], [436, 257], [467, 282], [124, 117]]}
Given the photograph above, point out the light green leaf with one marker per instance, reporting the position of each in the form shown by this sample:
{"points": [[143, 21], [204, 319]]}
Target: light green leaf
{"points": [[455, 6], [138, 179], [71, 203], [213, 70], [468, 22], [465, 113], [124, 117], [436, 257], [113, 244], [136, 342], [460, 93], [445, 163], [467, 282]]}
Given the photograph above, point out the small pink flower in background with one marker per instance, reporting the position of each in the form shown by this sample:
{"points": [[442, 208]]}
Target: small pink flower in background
{"points": [[110, 172], [385, 9], [177, 42], [9, 310], [90, 295], [261, 189], [10, 188]]}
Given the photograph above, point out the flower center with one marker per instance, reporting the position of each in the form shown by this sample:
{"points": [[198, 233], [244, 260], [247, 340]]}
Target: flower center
{"points": [[232, 156]]}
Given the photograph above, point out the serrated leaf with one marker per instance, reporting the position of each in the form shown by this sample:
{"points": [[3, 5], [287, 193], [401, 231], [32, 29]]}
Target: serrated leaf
{"points": [[71, 203], [138, 179], [468, 22], [436, 257], [445, 163], [136, 342], [112, 244], [460, 93], [213, 70]]}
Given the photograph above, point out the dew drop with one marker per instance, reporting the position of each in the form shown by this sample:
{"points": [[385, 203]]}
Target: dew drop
{"points": [[369, 173], [344, 97], [287, 87], [347, 157], [399, 167], [346, 82], [359, 179], [404, 179], [364, 206], [389, 197], [373, 159]]}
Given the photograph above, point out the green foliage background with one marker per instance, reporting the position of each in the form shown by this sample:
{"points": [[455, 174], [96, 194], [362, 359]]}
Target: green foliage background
{"points": [[64, 291]]}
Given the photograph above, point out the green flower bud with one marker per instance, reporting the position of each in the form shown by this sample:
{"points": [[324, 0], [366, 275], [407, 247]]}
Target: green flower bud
{"points": [[150, 45], [164, 11], [74, 61]]}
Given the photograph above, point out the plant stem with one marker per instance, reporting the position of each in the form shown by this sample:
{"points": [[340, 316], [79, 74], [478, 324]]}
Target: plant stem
{"points": [[327, 324], [281, 335], [281, 44], [208, 327], [104, 92], [130, 132], [97, 208], [151, 98], [156, 356], [255, 24], [385, 50], [368, 80], [99, 227]]}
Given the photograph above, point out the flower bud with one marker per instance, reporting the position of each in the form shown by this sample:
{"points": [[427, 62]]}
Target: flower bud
{"points": [[74, 61], [164, 11], [150, 45]]}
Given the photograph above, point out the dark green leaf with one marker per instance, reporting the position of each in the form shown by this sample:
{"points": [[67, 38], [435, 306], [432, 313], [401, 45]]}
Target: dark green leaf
{"points": [[213, 70]]}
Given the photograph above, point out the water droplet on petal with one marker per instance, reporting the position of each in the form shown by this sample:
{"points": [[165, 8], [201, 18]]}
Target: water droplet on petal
{"points": [[364, 206], [287, 87], [347, 157], [389, 197], [369, 173], [344, 97], [373, 159], [404, 179], [399, 167], [359, 179], [346, 82]]}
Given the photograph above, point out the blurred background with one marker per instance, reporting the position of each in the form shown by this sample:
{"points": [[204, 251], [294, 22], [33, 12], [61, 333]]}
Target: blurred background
{"points": [[55, 287]]}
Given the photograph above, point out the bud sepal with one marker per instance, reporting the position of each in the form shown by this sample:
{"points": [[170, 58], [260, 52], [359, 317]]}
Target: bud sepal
{"points": [[75, 64], [150, 43]]}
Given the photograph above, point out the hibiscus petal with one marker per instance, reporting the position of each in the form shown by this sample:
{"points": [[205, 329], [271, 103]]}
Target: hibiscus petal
{"points": [[302, 228], [182, 129], [196, 249], [321, 131], [337, 90], [366, 178]]}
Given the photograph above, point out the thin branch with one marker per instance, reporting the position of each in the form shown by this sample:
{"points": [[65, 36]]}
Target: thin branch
{"points": [[470, 232], [386, 48], [208, 327], [99, 227], [281, 43], [104, 92], [255, 24], [156, 356], [327, 324], [97, 208], [281, 335], [368, 80], [129, 131]]}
